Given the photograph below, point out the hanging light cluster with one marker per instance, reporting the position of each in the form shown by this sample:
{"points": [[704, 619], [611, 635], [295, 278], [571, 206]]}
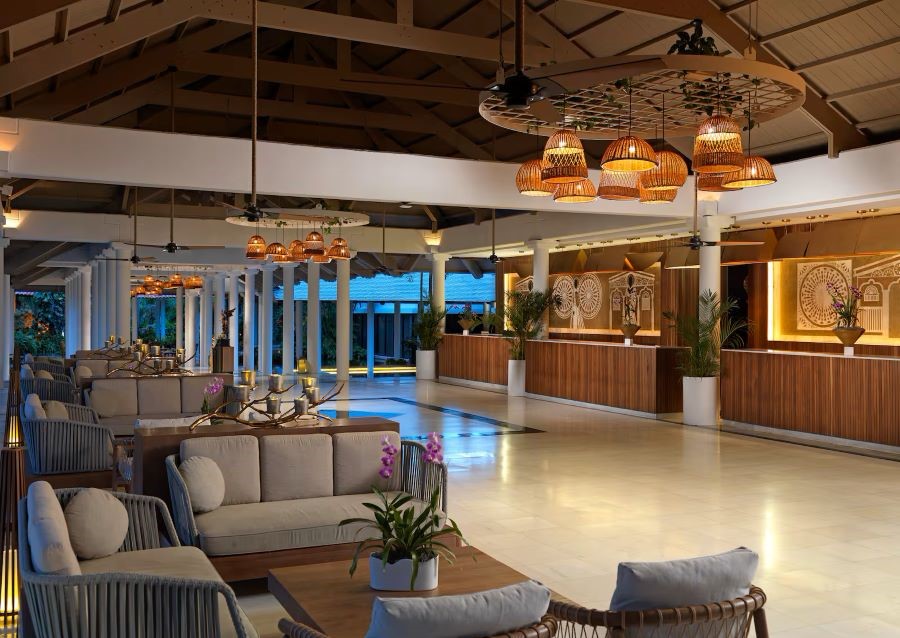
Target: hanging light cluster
{"points": [[152, 285], [632, 170], [310, 249]]}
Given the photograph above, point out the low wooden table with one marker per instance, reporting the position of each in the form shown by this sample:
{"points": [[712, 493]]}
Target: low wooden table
{"points": [[326, 598]]}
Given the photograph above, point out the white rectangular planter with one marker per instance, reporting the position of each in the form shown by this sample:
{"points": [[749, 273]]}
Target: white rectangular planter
{"points": [[425, 364], [515, 384], [700, 400]]}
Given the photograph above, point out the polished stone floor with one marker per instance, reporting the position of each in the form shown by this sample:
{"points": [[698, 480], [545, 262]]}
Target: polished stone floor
{"points": [[564, 493]]}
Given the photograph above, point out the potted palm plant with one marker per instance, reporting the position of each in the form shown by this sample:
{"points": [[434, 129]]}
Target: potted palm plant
{"points": [[427, 334], [629, 326], [704, 335], [845, 306], [524, 318], [468, 320]]}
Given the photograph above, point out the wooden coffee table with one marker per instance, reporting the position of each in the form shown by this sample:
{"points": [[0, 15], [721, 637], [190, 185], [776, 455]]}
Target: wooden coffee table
{"points": [[325, 598]]}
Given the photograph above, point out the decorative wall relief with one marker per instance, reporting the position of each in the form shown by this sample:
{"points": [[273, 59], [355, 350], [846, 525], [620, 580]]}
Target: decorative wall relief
{"points": [[580, 296], [813, 301]]}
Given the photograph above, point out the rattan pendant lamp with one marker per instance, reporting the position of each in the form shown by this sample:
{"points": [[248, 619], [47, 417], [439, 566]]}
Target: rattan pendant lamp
{"points": [[717, 145], [256, 245], [563, 160], [296, 248], [755, 170], [339, 249], [575, 192], [630, 153], [618, 186], [528, 177], [671, 172]]}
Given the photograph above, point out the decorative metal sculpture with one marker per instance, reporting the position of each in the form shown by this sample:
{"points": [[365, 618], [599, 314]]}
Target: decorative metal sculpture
{"points": [[272, 420], [142, 368]]}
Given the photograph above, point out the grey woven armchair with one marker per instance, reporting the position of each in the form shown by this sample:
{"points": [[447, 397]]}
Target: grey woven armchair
{"points": [[50, 366], [123, 604], [546, 628], [48, 390], [725, 619], [76, 444]]}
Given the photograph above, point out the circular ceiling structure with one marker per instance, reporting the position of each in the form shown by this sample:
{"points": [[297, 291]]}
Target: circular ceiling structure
{"points": [[302, 218]]}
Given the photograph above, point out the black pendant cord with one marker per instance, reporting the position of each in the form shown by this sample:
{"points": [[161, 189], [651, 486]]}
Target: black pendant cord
{"points": [[172, 129], [520, 36], [254, 94]]}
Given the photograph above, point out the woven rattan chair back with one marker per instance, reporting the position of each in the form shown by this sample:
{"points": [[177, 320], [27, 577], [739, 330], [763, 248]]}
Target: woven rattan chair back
{"points": [[545, 629]]}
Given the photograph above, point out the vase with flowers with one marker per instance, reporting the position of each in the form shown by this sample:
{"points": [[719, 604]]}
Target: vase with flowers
{"points": [[408, 538], [845, 306], [468, 320], [212, 389]]}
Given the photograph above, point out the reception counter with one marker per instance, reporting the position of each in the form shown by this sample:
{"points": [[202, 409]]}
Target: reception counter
{"points": [[476, 359], [635, 378], [818, 393]]}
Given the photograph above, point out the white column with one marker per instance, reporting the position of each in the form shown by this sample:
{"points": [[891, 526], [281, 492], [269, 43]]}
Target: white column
{"points": [[438, 273], [710, 256], [85, 282], [249, 360], [68, 317], [234, 301], [342, 321], [95, 313], [123, 290], [370, 340], [219, 303], [111, 292], [5, 352], [265, 319], [134, 318], [299, 312], [190, 326], [102, 299], [540, 272], [287, 319], [313, 325], [206, 328], [8, 304], [179, 317], [398, 331]]}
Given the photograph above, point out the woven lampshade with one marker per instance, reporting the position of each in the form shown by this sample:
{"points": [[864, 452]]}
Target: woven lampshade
{"points": [[618, 186], [339, 249], [718, 128], [138, 290], [754, 171], [670, 173], [321, 258], [563, 160], [628, 154], [277, 252], [256, 247], [575, 192], [717, 156], [528, 179], [314, 240], [175, 281], [657, 196], [192, 282], [155, 289], [296, 250], [712, 183], [149, 279]]}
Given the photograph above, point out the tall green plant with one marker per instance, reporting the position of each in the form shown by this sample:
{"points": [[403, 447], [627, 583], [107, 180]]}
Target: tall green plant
{"points": [[427, 326], [524, 316], [706, 333]]}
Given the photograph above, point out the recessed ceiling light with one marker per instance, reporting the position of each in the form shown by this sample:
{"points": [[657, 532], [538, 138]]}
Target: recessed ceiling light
{"points": [[863, 211], [785, 220], [766, 223], [823, 216], [405, 205], [810, 217]]}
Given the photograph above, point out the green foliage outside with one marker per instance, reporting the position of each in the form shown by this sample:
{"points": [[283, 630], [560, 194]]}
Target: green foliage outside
{"points": [[40, 323]]}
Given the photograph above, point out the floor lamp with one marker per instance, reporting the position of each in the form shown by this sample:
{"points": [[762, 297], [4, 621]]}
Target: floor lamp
{"points": [[12, 488]]}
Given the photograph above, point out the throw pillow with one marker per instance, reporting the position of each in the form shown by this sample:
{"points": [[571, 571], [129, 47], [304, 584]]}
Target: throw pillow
{"points": [[43, 374], [485, 613], [104, 402], [205, 483], [25, 372], [678, 583], [48, 539], [56, 410], [83, 374], [98, 523], [33, 408], [28, 358]]}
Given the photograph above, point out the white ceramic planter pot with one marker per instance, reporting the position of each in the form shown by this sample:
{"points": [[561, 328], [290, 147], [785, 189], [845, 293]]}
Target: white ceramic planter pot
{"points": [[395, 576], [425, 364], [515, 385], [465, 333], [700, 400]]}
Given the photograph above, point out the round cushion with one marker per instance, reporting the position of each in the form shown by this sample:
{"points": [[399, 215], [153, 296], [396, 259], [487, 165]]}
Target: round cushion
{"points": [[205, 483], [25, 372], [34, 409], [97, 522], [43, 374], [83, 374], [56, 410]]}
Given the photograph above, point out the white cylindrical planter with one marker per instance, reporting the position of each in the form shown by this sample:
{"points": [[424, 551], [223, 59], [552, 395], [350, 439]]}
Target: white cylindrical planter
{"points": [[425, 364], [700, 400], [396, 576], [515, 384], [465, 333]]}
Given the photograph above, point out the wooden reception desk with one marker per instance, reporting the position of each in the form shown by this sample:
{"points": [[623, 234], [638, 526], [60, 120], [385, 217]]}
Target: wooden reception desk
{"points": [[638, 378], [819, 393], [473, 358]]}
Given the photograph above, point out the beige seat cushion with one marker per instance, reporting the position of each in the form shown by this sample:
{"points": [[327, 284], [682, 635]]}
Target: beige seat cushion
{"points": [[48, 537], [43, 374], [237, 457], [296, 466], [26, 372], [357, 460], [97, 522], [56, 410], [118, 396], [34, 409], [98, 367], [192, 392], [171, 562], [157, 395], [164, 422], [119, 425], [267, 527], [83, 375]]}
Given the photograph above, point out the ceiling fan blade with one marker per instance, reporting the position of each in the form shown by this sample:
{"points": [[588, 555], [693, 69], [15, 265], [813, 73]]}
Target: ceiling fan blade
{"points": [[143, 259], [583, 74], [227, 205], [544, 110], [415, 84], [150, 245], [180, 247], [737, 243]]}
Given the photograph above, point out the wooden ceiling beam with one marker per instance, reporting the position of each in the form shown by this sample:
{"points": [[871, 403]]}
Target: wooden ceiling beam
{"points": [[17, 12], [817, 21]]}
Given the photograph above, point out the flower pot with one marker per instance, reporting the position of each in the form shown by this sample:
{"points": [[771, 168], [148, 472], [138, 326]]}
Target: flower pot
{"points": [[700, 400], [629, 330], [515, 384], [395, 576], [848, 336], [465, 333], [425, 364]]}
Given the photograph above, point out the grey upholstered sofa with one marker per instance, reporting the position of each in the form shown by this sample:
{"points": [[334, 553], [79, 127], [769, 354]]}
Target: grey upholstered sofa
{"points": [[120, 402], [288, 493], [151, 586]]}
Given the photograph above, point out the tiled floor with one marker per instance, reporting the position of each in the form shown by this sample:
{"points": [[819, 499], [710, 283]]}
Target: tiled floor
{"points": [[589, 489]]}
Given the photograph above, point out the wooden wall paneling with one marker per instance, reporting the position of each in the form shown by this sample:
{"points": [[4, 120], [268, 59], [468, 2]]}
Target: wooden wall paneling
{"points": [[758, 306], [474, 357]]}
